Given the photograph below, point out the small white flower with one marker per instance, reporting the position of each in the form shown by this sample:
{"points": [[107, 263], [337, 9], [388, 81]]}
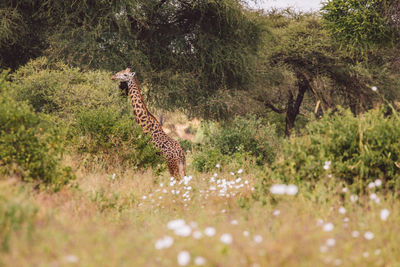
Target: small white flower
{"points": [[71, 258], [337, 262], [183, 258], [371, 185], [373, 196], [323, 249], [164, 242], [276, 212], [113, 176], [258, 239], [330, 242], [355, 234], [366, 254], [377, 252], [291, 189], [369, 235], [217, 166], [246, 233], [346, 219], [209, 231], [240, 171], [344, 189], [199, 261], [384, 214], [234, 222], [197, 235], [374, 88], [327, 165], [320, 222], [226, 239], [328, 227], [185, 230], [353, 198], [278, 189], [378, 182], [215, 174], [342, 210], [175, 224]]}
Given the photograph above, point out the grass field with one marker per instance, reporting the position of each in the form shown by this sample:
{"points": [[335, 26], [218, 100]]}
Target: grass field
{"points": [[136, 219]]}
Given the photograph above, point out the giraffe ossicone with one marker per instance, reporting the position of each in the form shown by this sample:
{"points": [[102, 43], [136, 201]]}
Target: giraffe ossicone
{"points": [[170, 148]]}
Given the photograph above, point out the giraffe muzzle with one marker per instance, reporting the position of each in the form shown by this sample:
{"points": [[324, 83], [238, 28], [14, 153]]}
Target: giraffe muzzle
{"points": [[113, 77]]}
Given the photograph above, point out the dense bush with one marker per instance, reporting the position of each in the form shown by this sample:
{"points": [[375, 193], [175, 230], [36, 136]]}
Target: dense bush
{"points": [[115, 137], [30, 144], [16, 215], [244, 137], [62, 90], [342, 146]]}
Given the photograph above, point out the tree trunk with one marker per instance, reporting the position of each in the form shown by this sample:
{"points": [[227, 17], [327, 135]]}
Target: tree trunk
{"points": [[293, 106]]}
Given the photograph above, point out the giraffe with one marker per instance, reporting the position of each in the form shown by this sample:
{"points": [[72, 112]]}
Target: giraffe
{"points": [[170, 148]]}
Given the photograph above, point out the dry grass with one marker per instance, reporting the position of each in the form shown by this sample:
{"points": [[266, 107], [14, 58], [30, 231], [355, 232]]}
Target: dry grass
{"points": [[106, 221]]}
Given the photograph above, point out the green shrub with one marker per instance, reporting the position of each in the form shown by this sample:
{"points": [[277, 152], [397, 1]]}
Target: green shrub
{"points": [[63, 90], [246, 135], [207, 159], [16, 215], [359, 150], [30, 145], [116, 138]]}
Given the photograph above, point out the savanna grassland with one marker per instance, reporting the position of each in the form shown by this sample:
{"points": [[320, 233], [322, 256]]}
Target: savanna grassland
{"points": [[290, 122]]}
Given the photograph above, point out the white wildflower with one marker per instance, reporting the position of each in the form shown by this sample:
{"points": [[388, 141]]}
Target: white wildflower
{"points": [[217, 166], [323, 249], [353, 198], [278, 189], [164, 242], [330, 242], [197, 235], [384, 214], [199, 261], [342, 210], [355, 234], [328, 227], [373, 196], [226, 239], [369, 235], [276, 212], [327, 165], [258, 239], [183, 258], [209, 231], [240, 171], [291, 189], [378, 182], [374, 88], [184, 230], [371, 185], [234, 222], [71, 258], [246, 233], [175, 224]]}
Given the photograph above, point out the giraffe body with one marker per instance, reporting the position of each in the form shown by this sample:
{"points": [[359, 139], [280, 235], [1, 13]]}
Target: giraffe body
{"points": [[170, 148]]}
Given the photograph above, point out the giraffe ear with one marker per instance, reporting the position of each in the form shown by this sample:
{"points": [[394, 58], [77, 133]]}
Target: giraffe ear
{"points": [[128, 69]]}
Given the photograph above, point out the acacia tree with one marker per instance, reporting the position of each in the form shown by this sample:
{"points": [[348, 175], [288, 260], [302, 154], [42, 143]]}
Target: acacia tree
{"points": [[306, 64], [186, 52]]}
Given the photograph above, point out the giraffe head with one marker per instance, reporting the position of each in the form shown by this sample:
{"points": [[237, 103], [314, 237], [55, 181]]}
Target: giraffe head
{"points": [[124, 75]]}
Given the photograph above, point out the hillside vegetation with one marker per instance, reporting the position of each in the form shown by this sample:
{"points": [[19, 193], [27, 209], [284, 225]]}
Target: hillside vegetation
{"points": [[290, 123]]}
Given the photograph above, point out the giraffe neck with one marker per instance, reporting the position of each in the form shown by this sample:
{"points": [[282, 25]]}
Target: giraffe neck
{"points": [[142, 115]]}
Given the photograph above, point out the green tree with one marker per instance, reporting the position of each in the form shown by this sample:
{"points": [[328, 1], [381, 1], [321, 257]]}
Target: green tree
{"points": [[361, 25], [187, 53]]}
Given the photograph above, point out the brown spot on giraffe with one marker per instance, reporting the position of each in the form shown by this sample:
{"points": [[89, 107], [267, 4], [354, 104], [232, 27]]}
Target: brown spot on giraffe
{"points": [[170, 148]]}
